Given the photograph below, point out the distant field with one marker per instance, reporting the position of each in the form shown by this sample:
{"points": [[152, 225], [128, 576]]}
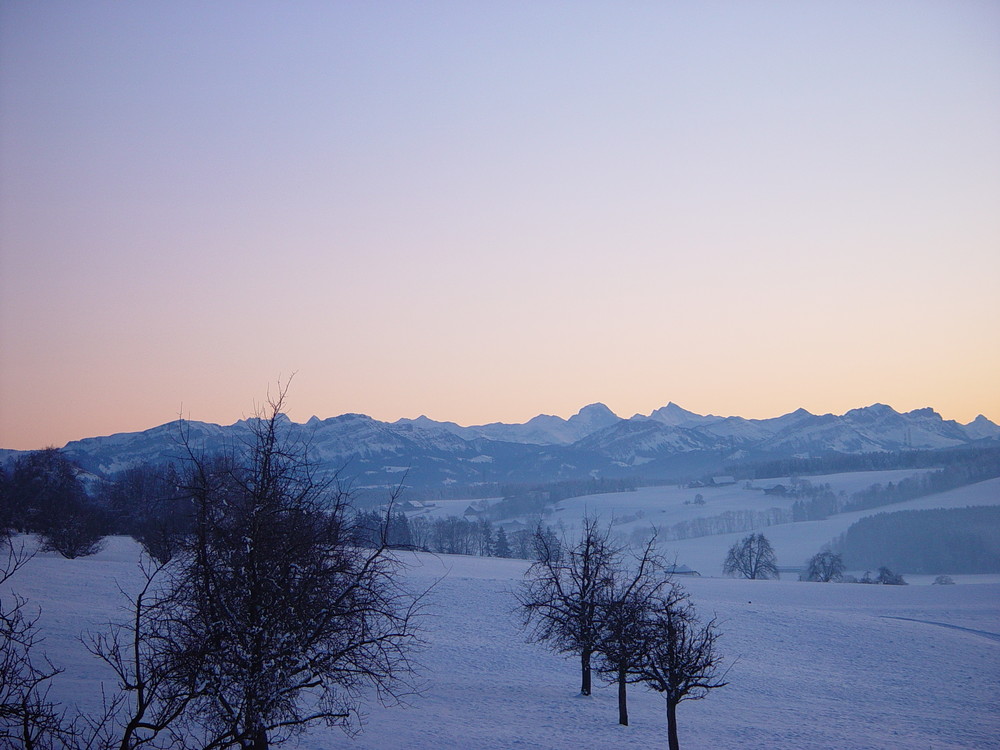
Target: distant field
{"points": [[668, 500], [795, 543], [635, 512], [813, 666]]}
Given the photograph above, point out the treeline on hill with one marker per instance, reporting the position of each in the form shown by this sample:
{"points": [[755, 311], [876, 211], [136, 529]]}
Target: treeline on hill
{"points": [[953, 540], [836, 463], [43, 494], [960, 468], [371, 496], [532, 499], [515, 492], [730, 522], [484, 535], [451, 535]]}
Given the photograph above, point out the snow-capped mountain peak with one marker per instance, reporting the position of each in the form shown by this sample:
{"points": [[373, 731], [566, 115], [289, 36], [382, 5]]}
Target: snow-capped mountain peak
{"points": [[981, 428], [594, 442], [677, 416]]}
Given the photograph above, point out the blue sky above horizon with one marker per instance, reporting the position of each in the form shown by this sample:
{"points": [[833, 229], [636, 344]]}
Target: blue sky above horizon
{"points": [[483, 212]]}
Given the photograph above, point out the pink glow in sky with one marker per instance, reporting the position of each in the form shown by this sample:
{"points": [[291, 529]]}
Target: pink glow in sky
{"points": [[484, 211]]}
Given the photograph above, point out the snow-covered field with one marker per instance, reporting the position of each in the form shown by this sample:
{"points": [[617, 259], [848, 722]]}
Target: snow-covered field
{"points": [[793, 543], [812, 665]]}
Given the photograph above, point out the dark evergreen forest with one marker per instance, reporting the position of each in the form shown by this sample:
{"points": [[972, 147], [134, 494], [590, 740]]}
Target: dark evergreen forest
{"points": [[954, 540]]}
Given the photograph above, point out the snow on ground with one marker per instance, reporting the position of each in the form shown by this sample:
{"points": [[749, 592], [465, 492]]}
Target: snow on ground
{"points": [[432, 509], [793, 543], [812, 665], [666, 504]]}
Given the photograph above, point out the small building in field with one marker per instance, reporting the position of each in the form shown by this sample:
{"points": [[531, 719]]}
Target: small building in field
{"points": [[683, 570]]}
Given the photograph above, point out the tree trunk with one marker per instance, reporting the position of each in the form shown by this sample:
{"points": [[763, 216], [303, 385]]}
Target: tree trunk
{"points": [[585, 672], [672, 726], [622, 699], [258, 740]]}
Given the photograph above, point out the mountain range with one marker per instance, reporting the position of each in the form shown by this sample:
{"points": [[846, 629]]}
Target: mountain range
{"points": [[429, 456]]}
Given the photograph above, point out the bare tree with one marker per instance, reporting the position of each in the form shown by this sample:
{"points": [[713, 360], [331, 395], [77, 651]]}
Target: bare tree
{"points": [[626, 601], [286, 619], [154, 689], [7, 510], [75, 532], [825, 567], [681, 661], [49, 499], [889, 578], [148, 505], [561, 595], [484, 537], [28, 719], [752, 557]]}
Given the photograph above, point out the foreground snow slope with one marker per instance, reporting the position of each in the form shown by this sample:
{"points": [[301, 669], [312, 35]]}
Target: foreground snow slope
{"points": [[812, 665]]}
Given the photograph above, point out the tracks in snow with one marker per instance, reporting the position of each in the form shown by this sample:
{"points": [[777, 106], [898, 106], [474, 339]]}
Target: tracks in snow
{"points": [[983, 633]]}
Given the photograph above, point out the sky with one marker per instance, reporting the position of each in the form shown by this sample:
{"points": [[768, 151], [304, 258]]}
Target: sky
{"points": [[485, 211]]}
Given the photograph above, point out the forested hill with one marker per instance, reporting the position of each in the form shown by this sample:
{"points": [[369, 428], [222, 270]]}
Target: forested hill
{"points": [[953, 540]]}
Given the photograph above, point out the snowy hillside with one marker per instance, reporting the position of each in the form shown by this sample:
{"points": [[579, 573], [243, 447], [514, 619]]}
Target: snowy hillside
{"points": [[813, 666], [794, 543]]}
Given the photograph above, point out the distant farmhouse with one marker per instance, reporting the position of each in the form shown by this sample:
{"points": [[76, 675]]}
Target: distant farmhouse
{"points": [[683, 570], [412, 505]]}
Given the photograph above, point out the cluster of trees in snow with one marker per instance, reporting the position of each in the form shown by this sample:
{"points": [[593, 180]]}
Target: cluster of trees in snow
{"points": [[265, 617], [827, 567], [624, 617], [44, 495], [537, 499], [817, 502], [452, 535], [730, 522]]}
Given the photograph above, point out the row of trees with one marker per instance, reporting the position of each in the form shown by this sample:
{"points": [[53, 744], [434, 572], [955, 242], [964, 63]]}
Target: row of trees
{"points": [[452, 535], [730, 522], [753, 557], [626, 618], [266, 618], [827, 566], [538, 499], [44, 495], [960, 468]]}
